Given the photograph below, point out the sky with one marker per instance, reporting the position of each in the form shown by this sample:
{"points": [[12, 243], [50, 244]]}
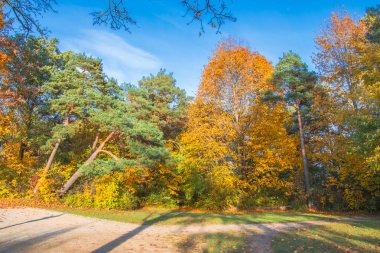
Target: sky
{"points": [[163, 38]]}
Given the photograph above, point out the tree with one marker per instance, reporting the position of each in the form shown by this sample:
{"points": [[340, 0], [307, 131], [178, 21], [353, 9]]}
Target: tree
{"points": [[338, 56], [297, 84], [72, 91], [272, 155], [225, 157], [209, 180], [157, 99], [370, 137], [5, 93], [28, 70], [23, 105], [372, 20], [347, 62], [142, 139]]}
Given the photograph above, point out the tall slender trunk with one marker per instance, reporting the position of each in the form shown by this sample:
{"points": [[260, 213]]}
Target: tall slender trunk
{"points": [[51, 157], [47, 166], [95, 143], [21, 150], [93, 188], [304, 158], [76, 175]]}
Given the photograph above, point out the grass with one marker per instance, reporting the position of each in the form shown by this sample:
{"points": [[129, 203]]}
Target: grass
{"points": [[180, 217], [216, 242], [175, 216], [350, 236]]}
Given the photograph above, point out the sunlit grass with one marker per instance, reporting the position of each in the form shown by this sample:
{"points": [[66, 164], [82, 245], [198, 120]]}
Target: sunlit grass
{"points": [[179, 217], [217, 242], [363, 236]]}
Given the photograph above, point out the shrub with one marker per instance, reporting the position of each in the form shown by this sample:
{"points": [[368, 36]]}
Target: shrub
{"points": [[162, 199], [110, 194]]}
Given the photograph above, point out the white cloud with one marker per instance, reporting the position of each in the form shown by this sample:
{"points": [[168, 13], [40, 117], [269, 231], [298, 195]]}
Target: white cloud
{"points": [[121, 60]]}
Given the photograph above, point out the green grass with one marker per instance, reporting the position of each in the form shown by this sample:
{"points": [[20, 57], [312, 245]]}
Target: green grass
{"points": [[216, 242], [179, 217], [350, 236]]}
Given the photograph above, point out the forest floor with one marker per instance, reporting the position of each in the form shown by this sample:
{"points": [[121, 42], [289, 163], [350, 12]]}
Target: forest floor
{"points": [[40, 230]]}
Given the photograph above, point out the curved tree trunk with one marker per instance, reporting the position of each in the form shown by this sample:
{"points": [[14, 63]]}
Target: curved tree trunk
{"points": [[47, 167], [76, 175], [304, 158], [51, 157]]}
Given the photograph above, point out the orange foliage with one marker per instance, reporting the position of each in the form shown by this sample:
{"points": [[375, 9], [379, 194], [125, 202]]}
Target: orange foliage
{"points": [[338, 58], [234, 140]]}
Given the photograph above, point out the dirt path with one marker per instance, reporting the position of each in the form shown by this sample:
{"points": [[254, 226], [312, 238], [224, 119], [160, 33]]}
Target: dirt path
{"points": [[39, 230]]}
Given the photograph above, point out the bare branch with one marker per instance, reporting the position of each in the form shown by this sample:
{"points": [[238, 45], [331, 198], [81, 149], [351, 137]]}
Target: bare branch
{"points": [[27, 12], [215, 13], [116, 15]]}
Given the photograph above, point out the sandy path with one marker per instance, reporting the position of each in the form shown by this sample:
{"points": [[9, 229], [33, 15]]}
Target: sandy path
{"points": [[39, 230]]}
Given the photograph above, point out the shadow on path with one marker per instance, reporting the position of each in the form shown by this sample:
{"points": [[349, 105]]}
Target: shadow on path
{"points": [[30, 221], [24, 245], [125, 237]]}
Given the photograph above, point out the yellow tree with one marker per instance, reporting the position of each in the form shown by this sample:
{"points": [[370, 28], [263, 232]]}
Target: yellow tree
{"points": [[338, 57], [206, 159], [272, 154], [232, 81], [220, 146], [351, 118]]}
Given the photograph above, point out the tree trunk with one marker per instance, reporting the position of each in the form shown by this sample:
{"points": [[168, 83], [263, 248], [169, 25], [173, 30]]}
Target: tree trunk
{"points": [[52, 155], [47, 167], [95, 143], [76, 175], [93, 188], [21, 150], [304, 158]]}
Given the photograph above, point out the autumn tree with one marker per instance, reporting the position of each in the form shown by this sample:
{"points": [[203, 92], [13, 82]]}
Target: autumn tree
{"points": [[209, 180], [232, 80], [349, 76], [24, 104], [221, 141], [338, 57], [30, 60]]}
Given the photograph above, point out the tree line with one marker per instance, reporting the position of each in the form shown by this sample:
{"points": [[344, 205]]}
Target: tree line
{"points": [[255, 134]]}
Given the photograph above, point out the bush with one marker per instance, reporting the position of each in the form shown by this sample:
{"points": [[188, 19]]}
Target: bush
{"points": [[162, 199], [83, 199], [252, 201], [4, 192], [112, 198], [111, 194]]}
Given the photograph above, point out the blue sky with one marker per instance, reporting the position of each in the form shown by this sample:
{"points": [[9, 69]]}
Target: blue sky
{"points": [[162, 38]]}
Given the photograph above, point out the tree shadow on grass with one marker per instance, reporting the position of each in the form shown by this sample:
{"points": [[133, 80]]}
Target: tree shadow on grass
{"points": [[243, 239], [125, 237], [30, 221], [186, 218], [336, 237]]}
